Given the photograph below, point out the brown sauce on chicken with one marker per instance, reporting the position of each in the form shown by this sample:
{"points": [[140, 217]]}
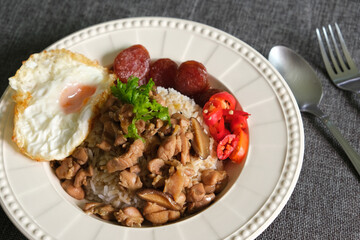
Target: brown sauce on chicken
{"points": [[156, 169]]}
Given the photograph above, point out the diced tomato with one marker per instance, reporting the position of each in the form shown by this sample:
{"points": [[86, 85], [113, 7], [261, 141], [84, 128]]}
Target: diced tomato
{"points": [[227, 100], [212, 112], [240, 151], [226, 146], [218, 130]]}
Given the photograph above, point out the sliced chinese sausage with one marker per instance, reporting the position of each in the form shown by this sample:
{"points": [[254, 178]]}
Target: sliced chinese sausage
{"points": [[201, 141], [191, 78], [163, 72], [132, 61], [160, 198]]}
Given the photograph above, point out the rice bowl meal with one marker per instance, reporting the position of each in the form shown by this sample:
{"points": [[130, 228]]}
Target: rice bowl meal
{"points": [[156, 140]]}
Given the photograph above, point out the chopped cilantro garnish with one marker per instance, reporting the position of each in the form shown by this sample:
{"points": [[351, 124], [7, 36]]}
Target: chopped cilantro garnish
{"points": [[143, 107]]}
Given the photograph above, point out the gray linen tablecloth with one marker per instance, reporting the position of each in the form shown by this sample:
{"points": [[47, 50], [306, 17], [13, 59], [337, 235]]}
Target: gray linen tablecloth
{"points": [[326, 201]]}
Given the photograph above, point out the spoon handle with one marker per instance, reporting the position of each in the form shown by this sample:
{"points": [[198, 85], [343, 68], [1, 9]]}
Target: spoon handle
{"points": [[350, 152]]}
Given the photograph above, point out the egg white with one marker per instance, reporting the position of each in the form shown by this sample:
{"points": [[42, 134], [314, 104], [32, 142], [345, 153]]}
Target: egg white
{"points": [[42, 129]]}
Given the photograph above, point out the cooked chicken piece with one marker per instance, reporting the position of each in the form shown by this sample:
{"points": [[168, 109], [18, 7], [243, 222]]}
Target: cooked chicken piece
{"points": [[162, 217], [196, 206], [109, 102], [105, 117], [178, 145], [159, 123], [209, 188], [129, 216], [181, 199], [152, 128], [187, 181], [135, 169], [130, 180], [125, 123], [119, 139], [128, 159], [174, 185], [118, 135], [212, 177], [140, 126], [111, 134], [81, 155], [164, 130], [155, 165], [221, 184], [125, 115], [67, 169], [149, 130], [104, 145], [195, 193], [108, 131], [182, 121], [151, 207], [158, 181], [189, 135], [105, 211], [167, 148], [80, 178], [185, 149], [159, 215], [76, 192], [126, 111], [152, 143], [90, 206]]}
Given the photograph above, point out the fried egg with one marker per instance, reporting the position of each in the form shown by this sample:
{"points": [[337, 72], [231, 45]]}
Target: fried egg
{"points": [[58, 94]]}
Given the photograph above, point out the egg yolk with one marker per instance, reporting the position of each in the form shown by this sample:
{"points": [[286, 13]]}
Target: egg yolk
{"points": [[74, 97]]}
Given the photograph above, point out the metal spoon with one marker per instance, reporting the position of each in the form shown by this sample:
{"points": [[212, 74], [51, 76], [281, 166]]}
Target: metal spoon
{"points": [[307, 90]]}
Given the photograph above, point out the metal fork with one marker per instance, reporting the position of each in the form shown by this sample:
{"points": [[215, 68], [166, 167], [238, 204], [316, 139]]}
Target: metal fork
{"points": [[343, 72]]}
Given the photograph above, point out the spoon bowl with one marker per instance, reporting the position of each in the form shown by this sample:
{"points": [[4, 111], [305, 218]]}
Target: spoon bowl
{"points": [[306, 87], [301, 78]]}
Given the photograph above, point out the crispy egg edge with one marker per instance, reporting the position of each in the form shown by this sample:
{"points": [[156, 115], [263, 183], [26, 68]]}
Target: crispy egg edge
{"points": [[22, 98]]}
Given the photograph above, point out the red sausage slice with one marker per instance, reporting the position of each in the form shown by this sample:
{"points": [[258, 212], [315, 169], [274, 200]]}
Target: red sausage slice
{"points": [[163, 72], [132, 61], [191, 78]]}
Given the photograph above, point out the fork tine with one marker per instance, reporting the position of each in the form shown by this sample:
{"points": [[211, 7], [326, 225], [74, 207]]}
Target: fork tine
{"points": [[339, 57], [328, 66], [334, 61], [344, 48]]}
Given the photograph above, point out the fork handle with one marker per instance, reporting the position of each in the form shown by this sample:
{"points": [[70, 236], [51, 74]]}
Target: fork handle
{"points": [[350, 152]]}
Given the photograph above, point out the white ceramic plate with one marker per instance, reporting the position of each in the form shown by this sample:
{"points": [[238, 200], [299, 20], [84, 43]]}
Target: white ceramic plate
{"points": [[34, 200]]}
